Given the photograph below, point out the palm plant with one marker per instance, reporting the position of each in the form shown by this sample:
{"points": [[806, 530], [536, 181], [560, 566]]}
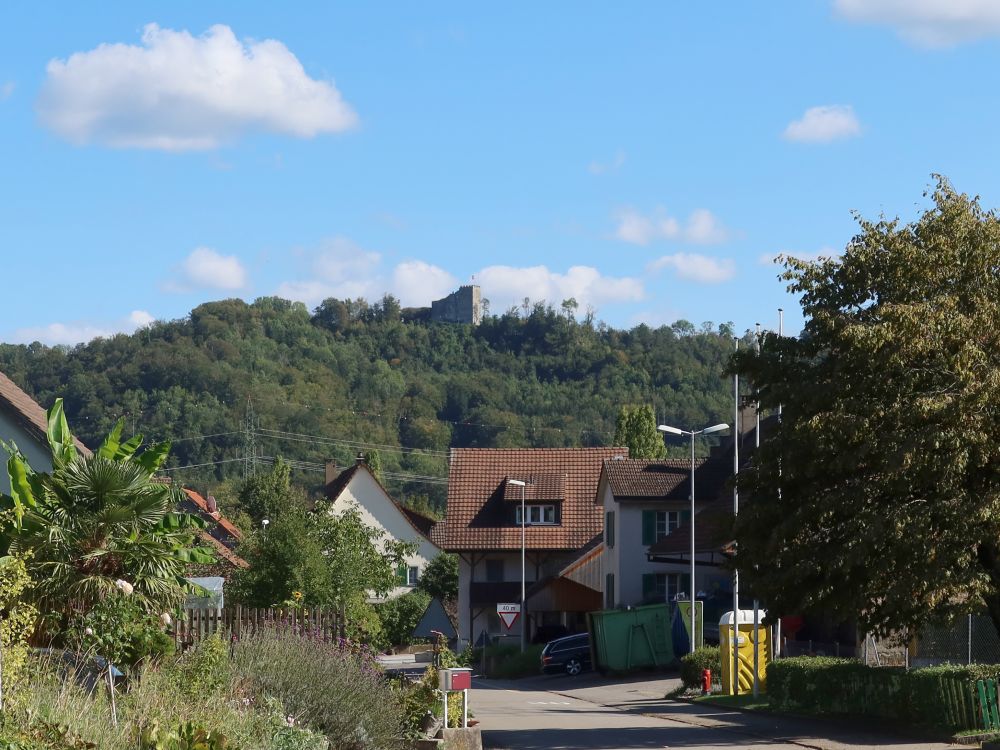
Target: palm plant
{"points": [[96, 519]]}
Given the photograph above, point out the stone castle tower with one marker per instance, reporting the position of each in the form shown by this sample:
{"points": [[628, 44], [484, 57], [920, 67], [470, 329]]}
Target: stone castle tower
{"points": [[463, 306]]}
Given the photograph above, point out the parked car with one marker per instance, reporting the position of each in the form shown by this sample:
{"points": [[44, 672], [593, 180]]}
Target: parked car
{"points": [[570, 655]]}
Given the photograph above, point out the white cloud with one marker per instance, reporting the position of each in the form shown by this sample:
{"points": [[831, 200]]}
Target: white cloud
{"points": [[702, 227], [6, 89], [206, 268], [823, 124], [339, 268], [599, 168], [928, 23], [506, 285], [178, 92], [770, 259], [698, 268], [77, 332], [416, 283]]}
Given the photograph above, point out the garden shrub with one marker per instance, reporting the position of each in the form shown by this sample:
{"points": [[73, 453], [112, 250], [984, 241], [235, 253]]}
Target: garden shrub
{"points": [[401, 615], [18, 623], [507, 662], [204, 671], [941, 697], [692, 664], [336, 688]]}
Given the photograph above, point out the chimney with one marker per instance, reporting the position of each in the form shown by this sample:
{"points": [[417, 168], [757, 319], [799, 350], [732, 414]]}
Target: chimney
{"points": [[331, 471], [213, 506]]}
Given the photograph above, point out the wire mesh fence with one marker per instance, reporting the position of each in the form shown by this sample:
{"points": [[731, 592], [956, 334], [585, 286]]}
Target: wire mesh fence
{"points": [[969, 640]]}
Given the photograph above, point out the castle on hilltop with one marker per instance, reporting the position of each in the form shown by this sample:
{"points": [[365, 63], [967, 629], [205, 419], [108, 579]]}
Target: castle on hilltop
{"points": [[462, 306]]}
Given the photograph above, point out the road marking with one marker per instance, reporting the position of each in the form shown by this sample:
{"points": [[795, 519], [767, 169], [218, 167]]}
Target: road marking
{"points": [[549, 703]]}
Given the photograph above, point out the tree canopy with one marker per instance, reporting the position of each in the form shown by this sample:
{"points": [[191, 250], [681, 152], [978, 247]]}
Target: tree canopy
{"points": [[636, 428], [878, 495], [354, 375]]}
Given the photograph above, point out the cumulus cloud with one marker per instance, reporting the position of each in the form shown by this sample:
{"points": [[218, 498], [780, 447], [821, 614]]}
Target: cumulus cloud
{"points": [[505, 285], [339, 268], [78, 331], [928, 23], [416, 283], [770, 259], [701, 228], [823, 124], [206, 268], [698, 268], [603, 167], [179, 92]]}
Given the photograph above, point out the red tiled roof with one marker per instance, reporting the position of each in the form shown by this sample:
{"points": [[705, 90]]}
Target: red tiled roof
{"points": [[541, 486], [26, 411], [223, 551], [478, 517], [667, 479], [202, 505], [713, 530]]}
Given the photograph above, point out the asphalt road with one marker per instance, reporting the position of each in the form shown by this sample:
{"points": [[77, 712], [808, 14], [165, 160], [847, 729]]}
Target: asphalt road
{"points": [[592, 713]]}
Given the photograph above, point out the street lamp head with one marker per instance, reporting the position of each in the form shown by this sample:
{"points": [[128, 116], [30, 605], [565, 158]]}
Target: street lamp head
{"points": [[715, 428], [670, 430]]}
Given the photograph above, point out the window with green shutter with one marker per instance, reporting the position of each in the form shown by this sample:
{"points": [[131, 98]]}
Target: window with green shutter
{"points": [[401, 571], [609, 528], [648, 526]]}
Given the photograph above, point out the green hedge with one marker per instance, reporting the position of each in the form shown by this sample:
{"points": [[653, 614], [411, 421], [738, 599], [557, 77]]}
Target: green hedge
{"points": [[706, 657], [941, 698]]}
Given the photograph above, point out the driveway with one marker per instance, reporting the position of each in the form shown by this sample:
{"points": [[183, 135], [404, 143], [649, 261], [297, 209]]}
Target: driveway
{"points": [[598, 713]]}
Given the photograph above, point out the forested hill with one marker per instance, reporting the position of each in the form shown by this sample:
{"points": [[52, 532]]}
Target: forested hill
{"points": [[320, 385]]}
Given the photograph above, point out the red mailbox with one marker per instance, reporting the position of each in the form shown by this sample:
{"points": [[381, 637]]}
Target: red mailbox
{"points": [[455, 679]]}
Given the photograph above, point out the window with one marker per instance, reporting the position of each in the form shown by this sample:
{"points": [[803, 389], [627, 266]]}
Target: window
{"points": [[494, 571], [663, 587], [657, 524], [666, 521], [609, 529], [412, 575], [537, 514]]}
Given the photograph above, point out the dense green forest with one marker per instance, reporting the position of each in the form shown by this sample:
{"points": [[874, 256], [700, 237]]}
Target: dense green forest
{"points": [[356, 376]]}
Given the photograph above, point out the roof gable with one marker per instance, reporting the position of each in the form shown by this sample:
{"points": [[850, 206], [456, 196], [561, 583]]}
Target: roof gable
{"points": [[667, 479], [479, 491]]}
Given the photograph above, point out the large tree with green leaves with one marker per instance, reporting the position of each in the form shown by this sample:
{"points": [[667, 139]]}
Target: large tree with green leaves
{"points": [[878, 495], [636, 429], [97, 519]]}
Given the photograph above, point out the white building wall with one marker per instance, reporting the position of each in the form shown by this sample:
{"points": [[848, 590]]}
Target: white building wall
{"points": [[36, 452], [378, 510]]}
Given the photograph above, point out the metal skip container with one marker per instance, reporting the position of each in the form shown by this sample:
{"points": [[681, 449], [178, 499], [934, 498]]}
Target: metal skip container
{"points": [[625, 639], [749, 640]]}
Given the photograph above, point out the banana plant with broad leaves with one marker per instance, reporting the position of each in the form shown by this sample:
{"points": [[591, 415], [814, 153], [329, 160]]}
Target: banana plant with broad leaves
{"points": [[98, 518]]}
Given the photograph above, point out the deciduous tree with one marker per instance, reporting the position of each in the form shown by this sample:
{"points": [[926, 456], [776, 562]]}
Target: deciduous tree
{"points": [[878, 495], [636, 428]]}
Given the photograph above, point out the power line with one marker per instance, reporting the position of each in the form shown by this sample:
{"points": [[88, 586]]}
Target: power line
{"points": [[318, 439], [209, 463]]}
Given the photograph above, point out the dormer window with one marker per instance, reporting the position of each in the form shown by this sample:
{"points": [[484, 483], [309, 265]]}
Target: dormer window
{"points": [[538, 515]]}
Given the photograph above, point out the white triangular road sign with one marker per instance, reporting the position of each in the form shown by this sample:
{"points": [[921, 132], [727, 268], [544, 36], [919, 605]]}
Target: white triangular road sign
{"points": [[509, 618]]}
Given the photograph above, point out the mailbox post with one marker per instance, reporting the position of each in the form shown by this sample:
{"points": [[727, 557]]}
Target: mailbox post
{"points": [[453, 680]]}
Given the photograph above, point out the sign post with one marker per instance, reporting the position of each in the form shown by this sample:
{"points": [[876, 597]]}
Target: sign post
{"points": [[455, 680], [508, 614]]}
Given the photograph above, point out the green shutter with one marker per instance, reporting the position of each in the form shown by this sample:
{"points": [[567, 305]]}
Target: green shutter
{"points": [[401, 574], [685, 517], [648, 586], [609, 528], [648, 526]]}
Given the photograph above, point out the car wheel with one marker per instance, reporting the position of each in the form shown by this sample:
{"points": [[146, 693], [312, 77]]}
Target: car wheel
{"points": [[573, 667]]}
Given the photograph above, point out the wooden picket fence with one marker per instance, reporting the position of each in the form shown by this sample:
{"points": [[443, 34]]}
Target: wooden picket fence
{"points": [[194, 624]]}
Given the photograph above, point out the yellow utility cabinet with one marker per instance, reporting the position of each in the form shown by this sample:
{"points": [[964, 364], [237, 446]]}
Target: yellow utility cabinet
{"points": [[747, 639]]}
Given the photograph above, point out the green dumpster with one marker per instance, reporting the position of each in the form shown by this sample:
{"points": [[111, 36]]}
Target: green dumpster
{"points": [[625, 639]]}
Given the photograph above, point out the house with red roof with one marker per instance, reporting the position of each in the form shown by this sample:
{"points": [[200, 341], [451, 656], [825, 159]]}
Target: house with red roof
{"points": [[563, 524]]}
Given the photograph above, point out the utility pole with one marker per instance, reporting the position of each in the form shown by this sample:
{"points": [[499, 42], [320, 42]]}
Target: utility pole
{"points": [[249, 441]]}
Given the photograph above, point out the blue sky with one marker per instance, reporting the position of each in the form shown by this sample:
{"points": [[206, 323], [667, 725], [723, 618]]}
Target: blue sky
{"points": [[642, 158]]}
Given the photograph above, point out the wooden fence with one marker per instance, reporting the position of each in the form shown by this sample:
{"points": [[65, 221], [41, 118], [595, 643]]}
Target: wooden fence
{"points": [[194, 624]]}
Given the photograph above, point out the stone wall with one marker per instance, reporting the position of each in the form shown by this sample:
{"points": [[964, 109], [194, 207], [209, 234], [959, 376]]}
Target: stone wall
{"points": [[463, 306]]}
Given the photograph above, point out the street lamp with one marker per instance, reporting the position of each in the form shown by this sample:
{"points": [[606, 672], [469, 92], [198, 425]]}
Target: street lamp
{"points": [[693, 434], [524, 518]]}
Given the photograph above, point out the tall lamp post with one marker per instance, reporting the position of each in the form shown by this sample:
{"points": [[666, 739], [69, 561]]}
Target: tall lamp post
{"points": [[693, 434], [524, 520]]}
